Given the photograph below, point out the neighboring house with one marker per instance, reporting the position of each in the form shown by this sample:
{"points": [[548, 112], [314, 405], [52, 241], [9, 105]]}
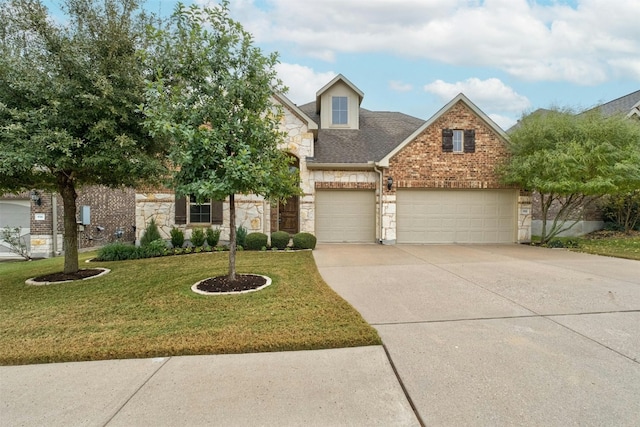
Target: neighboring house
{"points": [[104, 215], [374, 177]]}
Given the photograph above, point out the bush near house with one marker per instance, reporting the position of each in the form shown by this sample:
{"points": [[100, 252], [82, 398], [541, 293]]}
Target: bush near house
{"points": [[304, 241], [151, 233], [241, 235], [177, 237], [280, 239], [197, 237], [255, 241], [213, 237]]}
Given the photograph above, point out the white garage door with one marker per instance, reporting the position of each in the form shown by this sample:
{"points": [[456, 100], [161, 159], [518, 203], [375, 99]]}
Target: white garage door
{"points": [[345, 216], [14, 213], [456, 216]]}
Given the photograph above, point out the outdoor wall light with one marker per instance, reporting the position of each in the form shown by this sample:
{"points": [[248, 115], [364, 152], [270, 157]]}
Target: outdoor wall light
{"points": [[389, 183], [35, 198]]}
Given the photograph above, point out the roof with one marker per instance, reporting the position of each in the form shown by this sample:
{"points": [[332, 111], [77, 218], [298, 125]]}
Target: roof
{"points": [[384, 162], [623, 105], [379, 133]]}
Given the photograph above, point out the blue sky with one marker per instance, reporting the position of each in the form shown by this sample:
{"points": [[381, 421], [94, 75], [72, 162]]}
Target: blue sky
{"points": [[413, 56]]}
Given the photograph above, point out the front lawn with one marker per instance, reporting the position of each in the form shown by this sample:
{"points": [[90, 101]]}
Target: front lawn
{"points": [[145, 308], [620, 246]]}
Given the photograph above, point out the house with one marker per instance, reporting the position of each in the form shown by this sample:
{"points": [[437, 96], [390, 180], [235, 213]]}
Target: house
{"points": [[366, 176], [104, 215], [369, 176]]}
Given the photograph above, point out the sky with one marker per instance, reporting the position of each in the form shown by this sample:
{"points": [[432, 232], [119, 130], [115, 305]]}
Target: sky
{"points": [[509, 57]]}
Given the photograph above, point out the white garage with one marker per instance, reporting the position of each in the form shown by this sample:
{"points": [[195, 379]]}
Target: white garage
{"points": [[345, 216], [456, 216], [14, 213]]}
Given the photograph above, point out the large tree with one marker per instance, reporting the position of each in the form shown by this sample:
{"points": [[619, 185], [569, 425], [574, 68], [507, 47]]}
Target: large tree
{"points": [[212, 96], [571, 160], [69, 90]]}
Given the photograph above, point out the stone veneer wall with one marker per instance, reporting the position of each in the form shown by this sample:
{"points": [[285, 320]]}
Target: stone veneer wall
{"points": [[252, 212]]}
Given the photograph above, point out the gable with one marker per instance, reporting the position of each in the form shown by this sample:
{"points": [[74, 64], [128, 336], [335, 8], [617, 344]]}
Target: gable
{"points": [[338, 104], [425, 161]]}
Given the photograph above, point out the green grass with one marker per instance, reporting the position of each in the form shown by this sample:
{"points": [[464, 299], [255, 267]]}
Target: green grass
{"points": [[145, 308], [620, 246], [628, 247]]}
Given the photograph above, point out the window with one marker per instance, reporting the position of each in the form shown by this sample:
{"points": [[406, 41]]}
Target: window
{"points": [[339, 114], [209, 212], [200, 213], [457, 141]]}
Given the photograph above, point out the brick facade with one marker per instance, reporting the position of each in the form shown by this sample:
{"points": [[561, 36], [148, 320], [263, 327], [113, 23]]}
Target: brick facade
{"points": [[423, 164]]}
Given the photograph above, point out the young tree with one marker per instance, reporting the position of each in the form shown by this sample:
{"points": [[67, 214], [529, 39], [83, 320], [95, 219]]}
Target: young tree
{"points": [[212, 97], [573, 159], [68, 98]]}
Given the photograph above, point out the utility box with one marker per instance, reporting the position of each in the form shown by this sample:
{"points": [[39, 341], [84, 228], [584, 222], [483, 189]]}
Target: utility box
{"points": [[85, 215]]}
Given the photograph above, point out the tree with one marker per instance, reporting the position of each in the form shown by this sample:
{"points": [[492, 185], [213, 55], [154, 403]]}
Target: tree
{"points": [[212, 96], [571, 160], [68, 99]]}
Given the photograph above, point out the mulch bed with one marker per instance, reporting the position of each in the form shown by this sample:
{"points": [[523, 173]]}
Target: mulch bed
{"points": [[243, 282], [62, 277]]}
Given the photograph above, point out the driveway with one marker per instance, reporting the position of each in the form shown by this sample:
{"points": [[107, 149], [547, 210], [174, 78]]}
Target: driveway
{"points": [[500, 334]]}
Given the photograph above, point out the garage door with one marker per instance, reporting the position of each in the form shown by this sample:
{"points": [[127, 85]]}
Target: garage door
{"points": [[14, 213], [456, 216], [345, 216]]}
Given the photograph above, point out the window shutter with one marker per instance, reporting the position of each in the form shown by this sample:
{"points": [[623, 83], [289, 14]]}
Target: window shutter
{"points": [[447, 140], [469, 141], [181, 210], [216, 212]]}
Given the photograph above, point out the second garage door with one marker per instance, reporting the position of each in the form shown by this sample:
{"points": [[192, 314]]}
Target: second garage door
{"points": [[456, 216], [345, 216]]}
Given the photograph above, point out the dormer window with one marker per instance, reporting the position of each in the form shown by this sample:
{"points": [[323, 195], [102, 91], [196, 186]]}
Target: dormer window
{"points": [[339, 110]]}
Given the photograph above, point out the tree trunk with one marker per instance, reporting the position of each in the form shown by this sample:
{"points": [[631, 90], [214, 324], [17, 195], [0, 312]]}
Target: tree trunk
{"points": [[232, 238], [67, 190]]}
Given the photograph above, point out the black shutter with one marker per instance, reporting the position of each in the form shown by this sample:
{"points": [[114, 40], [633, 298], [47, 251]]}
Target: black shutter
{"points": [[447, 140], [181, 210], [216, 212], [469, 141]]}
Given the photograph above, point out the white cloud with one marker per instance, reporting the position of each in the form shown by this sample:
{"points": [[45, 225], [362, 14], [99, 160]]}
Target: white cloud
{"points": [[490, 94], [399, 86], [586, 44], [303, 82]]}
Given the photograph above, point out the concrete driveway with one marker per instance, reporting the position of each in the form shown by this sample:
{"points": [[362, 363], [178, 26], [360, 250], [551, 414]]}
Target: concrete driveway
{"points": [[501, 334]]}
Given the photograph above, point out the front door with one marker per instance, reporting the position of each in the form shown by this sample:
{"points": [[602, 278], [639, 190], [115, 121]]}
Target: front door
{"points": [[288, 215]]}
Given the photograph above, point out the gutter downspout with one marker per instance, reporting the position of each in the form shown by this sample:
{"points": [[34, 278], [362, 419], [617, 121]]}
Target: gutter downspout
{"points": [[381, 190], [54, 223]]}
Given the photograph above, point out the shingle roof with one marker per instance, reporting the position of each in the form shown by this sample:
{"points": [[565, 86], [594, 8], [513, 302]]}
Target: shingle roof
{"points": [[379, 133], [622, 105]]}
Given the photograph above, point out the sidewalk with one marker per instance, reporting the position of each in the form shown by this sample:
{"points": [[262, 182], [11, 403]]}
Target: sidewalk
{"points": [[351, 386]]}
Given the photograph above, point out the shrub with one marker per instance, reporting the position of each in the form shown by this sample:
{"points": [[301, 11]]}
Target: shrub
{"points": [[213, 237], [197, 237], [304, 241], [241, 235], [151, 233], [116, 252], [177, 237], [622, 211], [152, 249], [280, 239], [255, 241]]}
